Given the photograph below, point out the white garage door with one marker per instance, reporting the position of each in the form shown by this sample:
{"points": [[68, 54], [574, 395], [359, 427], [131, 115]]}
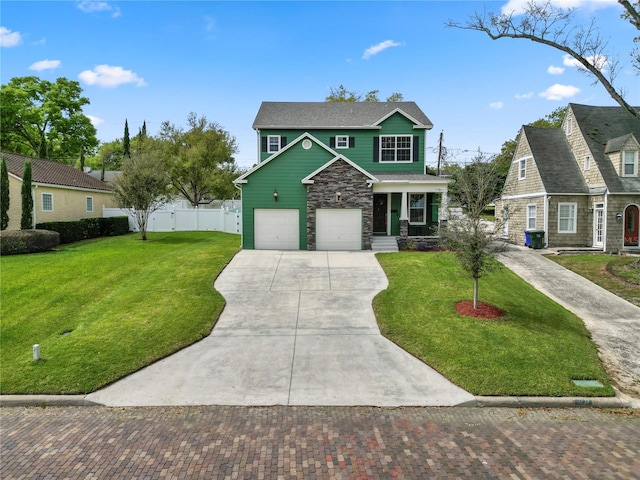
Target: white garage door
{"points": [[276, 229], [339, 229]]}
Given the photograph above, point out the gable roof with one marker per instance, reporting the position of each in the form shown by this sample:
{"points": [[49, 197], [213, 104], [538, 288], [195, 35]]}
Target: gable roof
{"points": [[599, 125], [46, 172], [243, 178], [309, 178], [324, 115], [557, 167]]}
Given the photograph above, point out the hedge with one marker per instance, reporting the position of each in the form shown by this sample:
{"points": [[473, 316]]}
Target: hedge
{"points": [[87, 228], [14, 242]]}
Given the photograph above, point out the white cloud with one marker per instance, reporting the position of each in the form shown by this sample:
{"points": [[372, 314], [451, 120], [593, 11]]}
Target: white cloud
{"points": [[375, 49], [519, 6], [92, 7], [95, 121], [45, 65], [8, 38], [553, 70], [496, 105], [108, 76], [524, 96], [559, 92], [599, 61]]}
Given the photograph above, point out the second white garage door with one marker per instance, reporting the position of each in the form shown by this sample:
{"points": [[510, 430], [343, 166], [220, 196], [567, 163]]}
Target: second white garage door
{"points": [[276, 229], [339, 229]]}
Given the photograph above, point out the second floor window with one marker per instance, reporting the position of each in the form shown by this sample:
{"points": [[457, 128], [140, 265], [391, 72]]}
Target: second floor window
{"points": [[342, 141], [396, 148], [630, 163], [522, 169], [273, 143], [587, 162]]}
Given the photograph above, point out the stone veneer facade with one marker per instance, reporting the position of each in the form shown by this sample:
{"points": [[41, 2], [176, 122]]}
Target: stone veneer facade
{"points": [[354, 193]]}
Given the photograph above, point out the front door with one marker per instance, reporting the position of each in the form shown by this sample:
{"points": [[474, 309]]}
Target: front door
{"points": [[631, 226], [380, 214], [598, 225]]}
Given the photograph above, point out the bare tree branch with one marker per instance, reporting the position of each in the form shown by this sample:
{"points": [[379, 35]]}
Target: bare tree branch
{"points": [[549, 25]]}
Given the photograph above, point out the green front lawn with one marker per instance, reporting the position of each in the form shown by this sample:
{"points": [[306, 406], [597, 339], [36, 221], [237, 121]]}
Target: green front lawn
{"points": [[536, 349], [105, 308]]}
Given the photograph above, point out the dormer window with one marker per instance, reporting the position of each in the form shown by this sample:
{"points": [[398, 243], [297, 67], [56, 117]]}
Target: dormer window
{"points": [[630, 163]]}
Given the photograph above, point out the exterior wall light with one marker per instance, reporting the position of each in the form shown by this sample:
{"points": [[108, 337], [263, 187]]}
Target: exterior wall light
{"points": [[338, 196], [275, 194], [619, 216]]}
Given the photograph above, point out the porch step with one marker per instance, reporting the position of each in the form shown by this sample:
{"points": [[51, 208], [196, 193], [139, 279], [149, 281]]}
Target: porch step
{"points": [[384, 244]]}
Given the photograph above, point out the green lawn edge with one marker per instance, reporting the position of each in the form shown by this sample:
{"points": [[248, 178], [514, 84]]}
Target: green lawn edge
{"points": [[536, 349], [105, 308]]}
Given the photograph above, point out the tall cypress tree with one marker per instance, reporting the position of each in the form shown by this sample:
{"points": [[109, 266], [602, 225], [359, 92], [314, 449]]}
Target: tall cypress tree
{"points": [[126, 143], [4, 195], [26, 221]]}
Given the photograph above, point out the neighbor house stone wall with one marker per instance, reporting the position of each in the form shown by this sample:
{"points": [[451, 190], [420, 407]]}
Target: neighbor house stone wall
{"points": [[354, 193]]}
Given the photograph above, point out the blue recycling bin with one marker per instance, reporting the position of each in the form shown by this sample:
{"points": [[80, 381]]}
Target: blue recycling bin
{"points": [[527, 239]]}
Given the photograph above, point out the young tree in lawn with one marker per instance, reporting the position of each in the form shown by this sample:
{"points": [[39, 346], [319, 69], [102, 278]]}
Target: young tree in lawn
{"points": [[26, 221], [4, 195], [200, 160], [142, 187], [469, 236]]}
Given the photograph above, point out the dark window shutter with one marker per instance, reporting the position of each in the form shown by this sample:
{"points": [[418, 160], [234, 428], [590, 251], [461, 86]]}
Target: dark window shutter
{"points": [[352, 142], [376, 149], [332, 142], [283, 142], [264, 144], [416, 148]]}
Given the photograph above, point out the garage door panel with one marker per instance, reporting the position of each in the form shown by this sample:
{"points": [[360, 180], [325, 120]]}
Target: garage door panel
{"points": [[339, 229], [276, 229]]}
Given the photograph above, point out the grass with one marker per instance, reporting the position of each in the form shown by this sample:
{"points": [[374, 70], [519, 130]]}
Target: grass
{"points": [[105, 308], [619, 275], [537, 348]]}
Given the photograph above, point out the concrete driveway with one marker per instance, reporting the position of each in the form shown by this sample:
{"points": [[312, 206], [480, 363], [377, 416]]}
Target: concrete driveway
{"points": [[298, 329]]}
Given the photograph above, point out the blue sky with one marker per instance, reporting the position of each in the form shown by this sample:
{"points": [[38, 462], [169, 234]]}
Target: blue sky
{"points": [[161, 60]]}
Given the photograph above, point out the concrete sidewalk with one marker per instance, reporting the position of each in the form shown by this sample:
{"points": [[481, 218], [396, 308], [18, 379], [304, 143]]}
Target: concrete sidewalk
{"points": [[613, 322], [298, 329]]}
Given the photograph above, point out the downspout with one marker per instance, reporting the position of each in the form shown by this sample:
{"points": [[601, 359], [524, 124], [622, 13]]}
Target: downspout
{"points": [[604, 222], [547, 199]]}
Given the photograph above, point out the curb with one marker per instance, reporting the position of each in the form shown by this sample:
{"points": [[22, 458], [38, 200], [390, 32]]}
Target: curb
{"points": [[619, 401]]}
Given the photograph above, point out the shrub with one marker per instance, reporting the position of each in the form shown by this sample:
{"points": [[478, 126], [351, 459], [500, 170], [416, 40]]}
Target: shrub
{"points": [[77, 230], [113, 226], [69, 231], [15, 242]]}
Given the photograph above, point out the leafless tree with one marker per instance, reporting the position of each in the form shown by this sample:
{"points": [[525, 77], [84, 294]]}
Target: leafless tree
{"points": [[557, 27]]}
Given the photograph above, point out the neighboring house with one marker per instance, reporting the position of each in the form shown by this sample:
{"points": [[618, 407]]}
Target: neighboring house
{"points": [[330, 176], [60, 192], [579, 183]]}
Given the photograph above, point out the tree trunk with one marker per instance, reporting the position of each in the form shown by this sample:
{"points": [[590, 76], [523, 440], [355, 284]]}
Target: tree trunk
{"points": [[475, 293]]}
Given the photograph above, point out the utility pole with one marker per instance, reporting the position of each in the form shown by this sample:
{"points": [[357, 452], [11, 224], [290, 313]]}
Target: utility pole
{"points": [[439, 154]]}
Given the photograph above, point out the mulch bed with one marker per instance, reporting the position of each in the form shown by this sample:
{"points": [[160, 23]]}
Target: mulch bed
{"points": [[484, 310]]}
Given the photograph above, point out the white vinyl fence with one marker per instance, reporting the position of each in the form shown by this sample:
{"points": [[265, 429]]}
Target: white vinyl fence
{"points": [[171, 218]]}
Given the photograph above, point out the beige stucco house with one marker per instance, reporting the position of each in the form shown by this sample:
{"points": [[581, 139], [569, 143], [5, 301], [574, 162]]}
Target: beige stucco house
{"points": [[580, 183], [60, 192]]}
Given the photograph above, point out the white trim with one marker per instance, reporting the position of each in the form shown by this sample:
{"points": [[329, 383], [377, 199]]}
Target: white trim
{"points": [[243, 178], [634, 163], [574, 226], [308, 179], [87, 203], [522, 172], [535, 216], [595, 224], [269, 137], [416, 123], [395, 149], [342, 137], [524, 195]]}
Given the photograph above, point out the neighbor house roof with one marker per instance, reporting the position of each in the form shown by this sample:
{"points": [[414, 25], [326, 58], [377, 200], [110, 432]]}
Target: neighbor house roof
{"points": [[557, 167], [52, 173], [601, 125], [307, 115]]}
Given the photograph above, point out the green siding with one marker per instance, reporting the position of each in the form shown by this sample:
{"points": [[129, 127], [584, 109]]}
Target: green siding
{"points": [[284, 174], [362, 153]]}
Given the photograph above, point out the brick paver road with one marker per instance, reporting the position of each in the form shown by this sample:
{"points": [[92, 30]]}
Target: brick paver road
{"points": [[300, 442]]}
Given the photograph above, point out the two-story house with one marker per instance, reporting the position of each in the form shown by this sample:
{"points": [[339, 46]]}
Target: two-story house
{"points": [[330, 176], [579, 183]]}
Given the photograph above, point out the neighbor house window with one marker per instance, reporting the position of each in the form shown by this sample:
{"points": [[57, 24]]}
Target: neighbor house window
{"points": [[630, 163], [569, 125], [417, 208], [531, 217], [567, 217], [47, 202], [89, 204], [522, 169], [396, 148], [273, 143], [342, 141], [587, 162]]}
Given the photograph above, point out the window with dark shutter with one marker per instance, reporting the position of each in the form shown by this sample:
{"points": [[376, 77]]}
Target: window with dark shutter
{"points": [[352, 142], [376, 149], [264, 144], [283, 142], [416, 148], [332, 142]]}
